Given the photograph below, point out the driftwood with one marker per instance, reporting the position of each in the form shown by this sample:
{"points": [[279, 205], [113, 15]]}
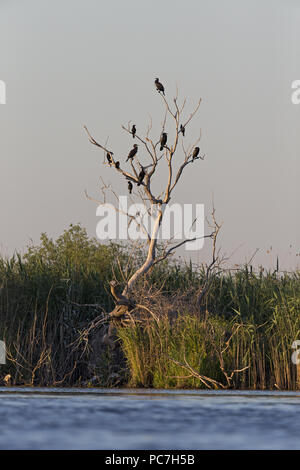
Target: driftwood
{"points": [[123, 303]]}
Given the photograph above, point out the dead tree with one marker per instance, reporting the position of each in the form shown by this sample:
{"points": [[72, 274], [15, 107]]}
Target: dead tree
{"points": [[149, 148]]}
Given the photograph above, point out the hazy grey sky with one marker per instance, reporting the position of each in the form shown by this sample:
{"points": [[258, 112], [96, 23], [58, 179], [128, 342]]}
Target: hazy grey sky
{"points": [[68, 63]]}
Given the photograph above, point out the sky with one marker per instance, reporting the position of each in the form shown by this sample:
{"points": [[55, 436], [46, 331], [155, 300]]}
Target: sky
{"points": [[71, 63]]}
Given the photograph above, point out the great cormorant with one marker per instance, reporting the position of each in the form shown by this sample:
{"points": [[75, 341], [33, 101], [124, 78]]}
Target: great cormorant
{"points": [[195, 152], [163, 140], [182, 128], [130, 187], [132, 152], [133, 131], [141, 176], [159, 86]]}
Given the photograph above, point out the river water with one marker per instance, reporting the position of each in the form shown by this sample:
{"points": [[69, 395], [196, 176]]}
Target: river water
{"points": [[42, 418]]}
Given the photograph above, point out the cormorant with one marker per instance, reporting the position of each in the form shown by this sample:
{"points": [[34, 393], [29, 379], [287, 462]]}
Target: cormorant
{"points": [[163, 140], [159, 86], [109, 158], [130, 187], [132, 152], [195, 152], [117, 165], [133, 131], [182, 128], [141, 176]]}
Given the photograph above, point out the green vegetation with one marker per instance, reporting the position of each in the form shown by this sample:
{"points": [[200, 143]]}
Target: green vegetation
{"points": [[57, 289], [214, 347]]}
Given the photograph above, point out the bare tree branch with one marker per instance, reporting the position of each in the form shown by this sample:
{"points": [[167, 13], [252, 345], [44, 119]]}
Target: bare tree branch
{"points": [[149, 172]]}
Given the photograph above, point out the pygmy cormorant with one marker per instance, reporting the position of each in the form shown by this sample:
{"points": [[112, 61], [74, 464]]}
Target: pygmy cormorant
{"points": [[132, 152], [163, 140], [109, 158], [159, 86], [195, 152], [141, 176]]}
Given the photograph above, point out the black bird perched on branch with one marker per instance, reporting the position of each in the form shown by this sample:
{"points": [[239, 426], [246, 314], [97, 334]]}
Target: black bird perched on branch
{"points": [[159, 86], [109, 158], [132, 152], [182, 128], [130, 187], [195, 152], [141, 176], [117, 165], [133, 131], [163, 140]]}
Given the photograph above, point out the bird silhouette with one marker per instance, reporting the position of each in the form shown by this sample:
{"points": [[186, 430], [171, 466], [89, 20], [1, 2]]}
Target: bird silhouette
{"points": [[182, 128], [132, 152], [195, 152], [117, 165], [109, 158], [130, 187], [141, 177], [163, 140], [133, 131], [159, 86]]}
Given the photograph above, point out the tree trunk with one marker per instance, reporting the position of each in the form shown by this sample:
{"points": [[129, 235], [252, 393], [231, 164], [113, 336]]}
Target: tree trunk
{"points": [[151, 253]]}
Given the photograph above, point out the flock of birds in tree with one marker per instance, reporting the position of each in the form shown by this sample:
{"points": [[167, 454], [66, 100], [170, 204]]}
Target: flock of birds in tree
{"points": [[163, 142]]}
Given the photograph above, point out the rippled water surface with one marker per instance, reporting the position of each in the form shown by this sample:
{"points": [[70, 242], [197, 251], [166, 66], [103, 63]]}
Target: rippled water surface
{"points": [[148, 419]]}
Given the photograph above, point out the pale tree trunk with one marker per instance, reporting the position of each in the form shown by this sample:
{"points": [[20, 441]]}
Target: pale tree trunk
{"points": [[151, 253]]}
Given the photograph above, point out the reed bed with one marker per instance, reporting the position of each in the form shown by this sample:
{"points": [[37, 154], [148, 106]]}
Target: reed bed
{"points": [[236, 353], [241, 339]]}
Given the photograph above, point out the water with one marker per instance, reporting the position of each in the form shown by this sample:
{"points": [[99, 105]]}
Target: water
{"points": [[42, 418]]}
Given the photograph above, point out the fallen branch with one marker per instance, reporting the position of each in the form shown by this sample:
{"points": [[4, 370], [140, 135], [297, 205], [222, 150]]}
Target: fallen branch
{"points": [[205, 380]]}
